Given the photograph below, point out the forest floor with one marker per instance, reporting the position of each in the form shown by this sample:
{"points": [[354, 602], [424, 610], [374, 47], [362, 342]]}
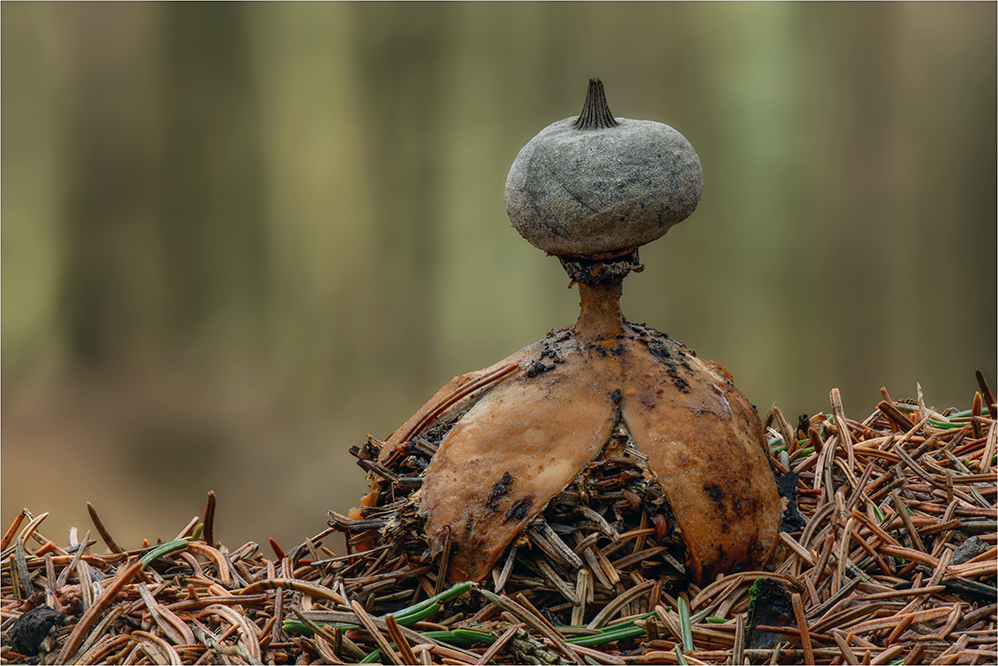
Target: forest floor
{"points": [[892, 560]]}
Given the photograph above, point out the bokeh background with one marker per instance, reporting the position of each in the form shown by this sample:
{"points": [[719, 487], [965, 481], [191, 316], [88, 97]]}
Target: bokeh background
{"points": [[238, 237]]}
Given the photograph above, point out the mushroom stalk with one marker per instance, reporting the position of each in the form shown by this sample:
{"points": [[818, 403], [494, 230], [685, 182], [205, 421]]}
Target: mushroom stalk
{"points": [[600, 315]]}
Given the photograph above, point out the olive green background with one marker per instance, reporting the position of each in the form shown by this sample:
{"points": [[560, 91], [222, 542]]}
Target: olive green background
{"points": [[238, 237]]}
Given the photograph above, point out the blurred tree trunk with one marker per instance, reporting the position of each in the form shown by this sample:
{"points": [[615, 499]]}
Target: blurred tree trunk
{"points": [[400, 62], [321, 303], [212, 228], [32, 91], [495, 105], [163, 216], [108, 296]]}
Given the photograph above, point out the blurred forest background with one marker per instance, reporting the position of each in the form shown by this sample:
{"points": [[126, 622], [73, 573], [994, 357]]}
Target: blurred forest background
{"points": [[238, 237]]}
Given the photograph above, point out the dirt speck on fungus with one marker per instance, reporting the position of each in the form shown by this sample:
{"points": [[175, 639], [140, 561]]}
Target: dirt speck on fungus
{"points": [[500, 489]]}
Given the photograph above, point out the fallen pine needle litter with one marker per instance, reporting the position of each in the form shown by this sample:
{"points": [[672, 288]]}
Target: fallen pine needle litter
{"points": [[888, 555]]}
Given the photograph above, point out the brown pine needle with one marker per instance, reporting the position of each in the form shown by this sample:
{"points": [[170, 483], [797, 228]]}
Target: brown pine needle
{"points": [[104, 534], [805, 637], [209, 519], [365, 619]]}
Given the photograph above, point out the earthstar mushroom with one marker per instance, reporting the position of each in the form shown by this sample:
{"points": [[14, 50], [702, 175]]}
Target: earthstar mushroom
{"points": [[538, 431]]}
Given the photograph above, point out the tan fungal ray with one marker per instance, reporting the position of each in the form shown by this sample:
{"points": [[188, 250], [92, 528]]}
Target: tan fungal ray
{"points": [[521, 444], [453, 393], [706, 446]]}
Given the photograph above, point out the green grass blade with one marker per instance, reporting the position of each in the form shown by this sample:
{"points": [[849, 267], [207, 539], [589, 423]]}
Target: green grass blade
{"points": [[699, 617], [456, 590], [460, 636], [161, 550], [685, 626], [622, 634], [298, 627], [412, 617]]}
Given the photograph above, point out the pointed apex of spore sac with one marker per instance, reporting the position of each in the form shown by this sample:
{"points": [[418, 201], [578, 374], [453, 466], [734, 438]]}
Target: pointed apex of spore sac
{"points": [[595, 112]]}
